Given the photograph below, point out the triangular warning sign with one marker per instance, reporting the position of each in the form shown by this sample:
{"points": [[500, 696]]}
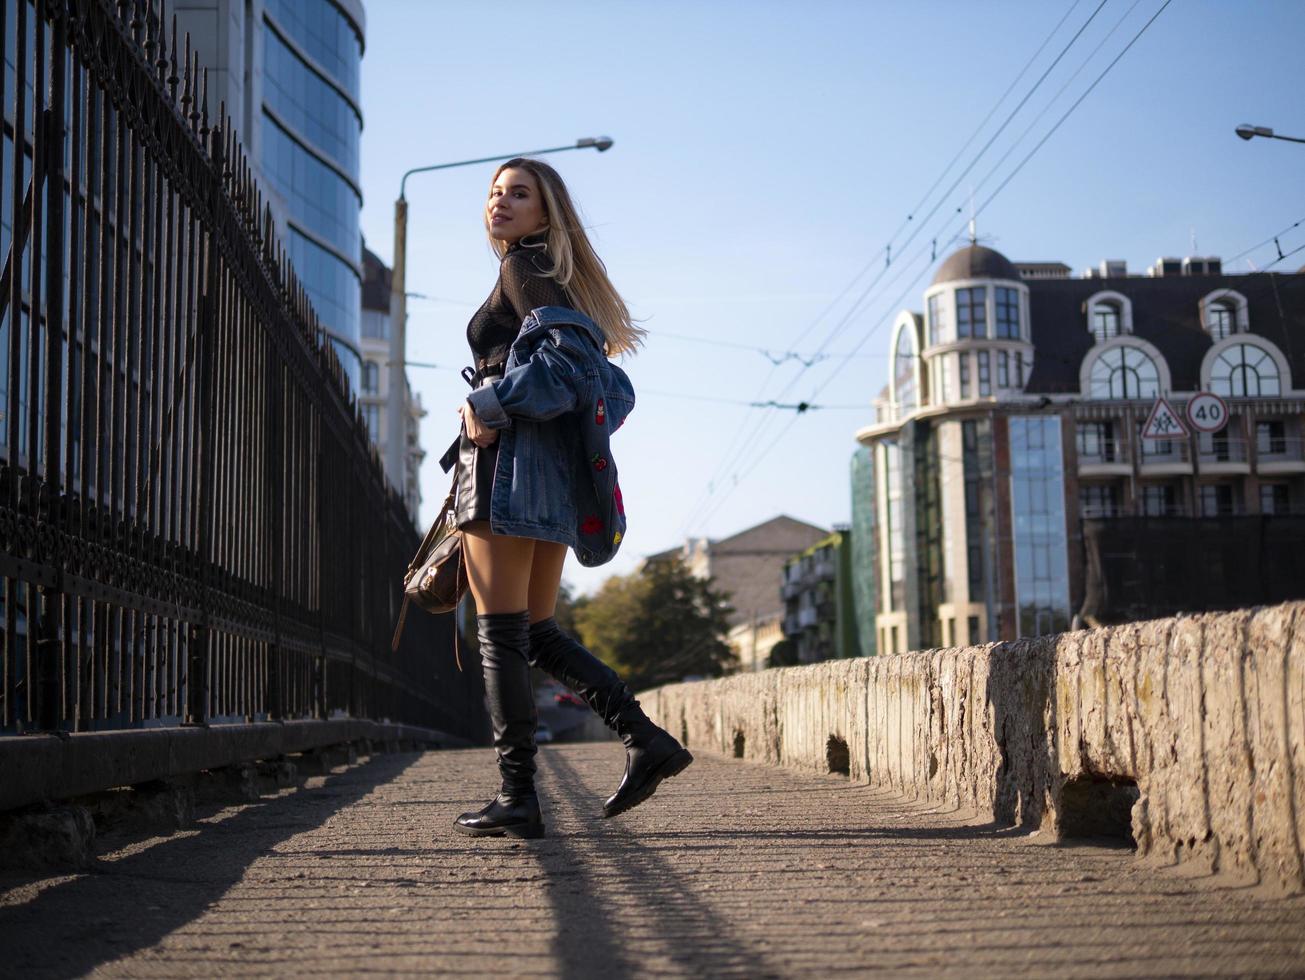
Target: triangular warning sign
{"points": [[1163, 423]]}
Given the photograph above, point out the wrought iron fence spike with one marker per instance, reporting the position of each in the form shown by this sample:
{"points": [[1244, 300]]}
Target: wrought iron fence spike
{"points": [[194, 105], [204, 130], [185, 79], [173, 79]]}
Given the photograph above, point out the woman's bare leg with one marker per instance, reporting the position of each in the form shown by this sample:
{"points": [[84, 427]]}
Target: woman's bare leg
{"points": [[545, 579], [498, 568]]}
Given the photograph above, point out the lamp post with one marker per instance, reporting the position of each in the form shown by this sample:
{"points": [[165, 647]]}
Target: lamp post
{"points": [[396, 444], [1248, 132]]}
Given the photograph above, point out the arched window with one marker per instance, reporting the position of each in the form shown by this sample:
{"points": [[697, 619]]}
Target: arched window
{"points": [[1245, 371], [1221, 320], [1109, 314], [1224, 312], [906, 362], [371, 377], [1105, 321], [1124, 372]]}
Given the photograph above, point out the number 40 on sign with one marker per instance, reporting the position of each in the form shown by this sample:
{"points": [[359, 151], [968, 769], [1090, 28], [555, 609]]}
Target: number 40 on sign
{"points": [[1207, 412]]}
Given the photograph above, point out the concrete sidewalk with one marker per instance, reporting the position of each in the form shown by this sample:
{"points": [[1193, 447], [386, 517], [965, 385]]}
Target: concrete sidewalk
{"points": [[734, 869]]}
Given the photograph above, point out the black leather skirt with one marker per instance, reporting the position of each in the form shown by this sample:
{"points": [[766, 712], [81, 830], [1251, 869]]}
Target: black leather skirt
{"points": [[475, 465], [475, 480]]}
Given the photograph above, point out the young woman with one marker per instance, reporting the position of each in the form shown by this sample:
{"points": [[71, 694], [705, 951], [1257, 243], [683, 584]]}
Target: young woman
{"points": [[536, 477]]}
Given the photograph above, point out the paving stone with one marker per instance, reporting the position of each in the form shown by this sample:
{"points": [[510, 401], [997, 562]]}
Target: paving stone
{"points": [[733, 869]]}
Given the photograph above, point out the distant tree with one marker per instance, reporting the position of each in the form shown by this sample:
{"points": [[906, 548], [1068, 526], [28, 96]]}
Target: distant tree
{"points": [[658, 625]]}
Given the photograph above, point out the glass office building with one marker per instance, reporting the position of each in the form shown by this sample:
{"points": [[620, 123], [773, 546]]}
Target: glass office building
{"points": [[311, 129]]}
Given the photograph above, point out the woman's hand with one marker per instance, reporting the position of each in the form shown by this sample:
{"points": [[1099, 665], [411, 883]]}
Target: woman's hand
{"points": [[477, 431]]}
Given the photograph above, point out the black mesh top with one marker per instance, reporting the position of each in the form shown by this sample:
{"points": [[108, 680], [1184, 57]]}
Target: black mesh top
{"points": [[523, 284]]}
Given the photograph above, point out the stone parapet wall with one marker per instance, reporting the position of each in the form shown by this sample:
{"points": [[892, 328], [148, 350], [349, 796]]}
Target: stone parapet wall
{"points": [[1187, 732]]}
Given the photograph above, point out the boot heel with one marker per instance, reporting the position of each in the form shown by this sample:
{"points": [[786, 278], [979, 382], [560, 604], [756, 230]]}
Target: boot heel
{"points": [[531, 832]]}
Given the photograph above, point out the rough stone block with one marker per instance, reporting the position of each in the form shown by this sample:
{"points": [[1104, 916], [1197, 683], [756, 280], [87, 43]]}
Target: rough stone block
{"points": [[50, 838]]}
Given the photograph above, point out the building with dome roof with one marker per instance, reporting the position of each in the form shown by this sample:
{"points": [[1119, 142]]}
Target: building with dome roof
{"points": [[1014, 493]]}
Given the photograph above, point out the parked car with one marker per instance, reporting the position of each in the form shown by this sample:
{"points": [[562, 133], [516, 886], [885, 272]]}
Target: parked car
{"points": [[543, 733], [568, 700]]}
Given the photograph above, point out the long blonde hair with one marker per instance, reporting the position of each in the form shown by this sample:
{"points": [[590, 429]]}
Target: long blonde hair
{"points": [[575, 264]]}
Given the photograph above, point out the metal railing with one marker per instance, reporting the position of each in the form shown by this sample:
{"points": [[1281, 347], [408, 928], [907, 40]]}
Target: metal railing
{"points": [[1279, 449], [1213, 449], [1101, 451], [1163, 451], [194, 527]]}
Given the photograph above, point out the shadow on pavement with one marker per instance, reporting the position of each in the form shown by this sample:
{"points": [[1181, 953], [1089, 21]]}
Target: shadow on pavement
{"points": [[129, 904], [640, 885]]}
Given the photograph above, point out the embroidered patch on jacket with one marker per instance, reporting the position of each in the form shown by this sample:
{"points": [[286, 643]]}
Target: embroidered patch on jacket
{"points": [[591, 525], [600, 464], [600, 416], [616, 539]]}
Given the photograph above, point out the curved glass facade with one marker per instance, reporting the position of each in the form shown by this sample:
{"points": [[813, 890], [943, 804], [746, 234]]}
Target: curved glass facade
{"points": [[310, 106], [335, 291], [311, 132], [318, 196], [326, 35]]}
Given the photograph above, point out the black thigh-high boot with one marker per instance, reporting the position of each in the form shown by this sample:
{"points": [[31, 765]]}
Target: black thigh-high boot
{"points": [[504, 647], [651, 753]]}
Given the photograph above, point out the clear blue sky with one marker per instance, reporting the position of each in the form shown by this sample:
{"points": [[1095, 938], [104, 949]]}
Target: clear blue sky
{"points": [[767, 152]]}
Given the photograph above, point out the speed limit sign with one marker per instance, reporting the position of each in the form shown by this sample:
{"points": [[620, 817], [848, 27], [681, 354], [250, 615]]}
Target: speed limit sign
{"points": [[1207, 412]]}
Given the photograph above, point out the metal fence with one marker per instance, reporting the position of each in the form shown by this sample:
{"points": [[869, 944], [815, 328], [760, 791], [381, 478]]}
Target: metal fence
{"points": [[194, 526]]}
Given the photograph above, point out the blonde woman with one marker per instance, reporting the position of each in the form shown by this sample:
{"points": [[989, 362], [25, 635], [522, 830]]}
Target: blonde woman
{"points": [[536, 477]]}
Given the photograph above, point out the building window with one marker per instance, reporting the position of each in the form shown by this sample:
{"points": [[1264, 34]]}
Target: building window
{"points": [[1124, 372], [895, 532], [1098, 500], [937, 320], [1008, 313], [1038, 521], [905, 363], [1216, 500], [1096, 442], [965, 375], [372, 416], [945, 375], [1105, 321], [1220, 320], [985, 375], [972, 312], [1003, 369], [975, 637], [1158, 500], [371, 378], [1275, 498], [1271, 437], [1245, 371]]}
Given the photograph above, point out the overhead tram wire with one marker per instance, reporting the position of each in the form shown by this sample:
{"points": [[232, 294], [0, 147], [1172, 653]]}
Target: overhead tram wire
{"points": [[1077, 102], [843, 363], [1267, 241], [883, 269], [924, 199], [1055, 98]]}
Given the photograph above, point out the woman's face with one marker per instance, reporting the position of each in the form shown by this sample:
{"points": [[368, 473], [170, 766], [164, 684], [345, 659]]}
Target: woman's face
{"points": [[515, 206]]}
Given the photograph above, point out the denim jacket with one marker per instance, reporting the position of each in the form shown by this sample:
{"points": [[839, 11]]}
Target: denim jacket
{"points": [[555, 408]]}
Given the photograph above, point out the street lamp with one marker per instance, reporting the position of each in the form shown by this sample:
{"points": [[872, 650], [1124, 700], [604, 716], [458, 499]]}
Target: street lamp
{"points": [[1246, 131], [396, 447]]}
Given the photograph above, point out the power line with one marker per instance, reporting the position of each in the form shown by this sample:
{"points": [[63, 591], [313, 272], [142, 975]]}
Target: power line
{"points": [[776, 357], [1271, 238], [843, 363], [978, 129], [1070, 110]]}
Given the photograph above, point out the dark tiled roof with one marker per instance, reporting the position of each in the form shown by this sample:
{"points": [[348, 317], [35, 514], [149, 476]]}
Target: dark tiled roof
{"points": [[376, 283], [976, 262], [1167, 313]]}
